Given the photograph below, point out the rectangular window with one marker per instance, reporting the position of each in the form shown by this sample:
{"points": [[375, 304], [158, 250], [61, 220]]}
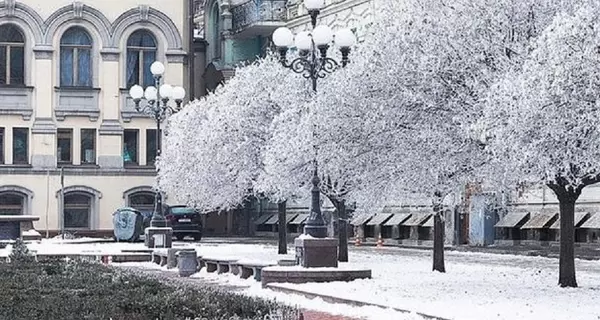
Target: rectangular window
{"points": [[151, 146], [64, 146], [88, 146], [20, 145], [130, 146], [75, 67], [1, 145], [17, 65]]}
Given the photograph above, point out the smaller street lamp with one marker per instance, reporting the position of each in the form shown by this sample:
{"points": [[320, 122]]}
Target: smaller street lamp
{"points": [[313, 63], [159, 108]]}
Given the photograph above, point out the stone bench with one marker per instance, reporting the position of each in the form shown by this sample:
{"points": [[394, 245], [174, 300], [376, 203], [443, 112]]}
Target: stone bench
{"points": [[167, 257], [160, 257], [220, 265], [253, 268]]}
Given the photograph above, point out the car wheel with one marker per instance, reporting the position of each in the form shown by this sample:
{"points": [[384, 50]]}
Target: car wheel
{"points": [[179, 237], [197, 237]]}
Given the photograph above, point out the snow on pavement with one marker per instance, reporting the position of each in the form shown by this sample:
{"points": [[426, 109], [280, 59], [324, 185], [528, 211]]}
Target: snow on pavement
{"points": [[476, 285]]}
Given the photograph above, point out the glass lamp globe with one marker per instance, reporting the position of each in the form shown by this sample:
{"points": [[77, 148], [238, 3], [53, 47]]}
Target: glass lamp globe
{"points": [[166, 91], [314, 4], [136, 92], [283, 37], [157, 68], [345, 38], [151, 93], [303, 41], [178, 93], [322, 35]]}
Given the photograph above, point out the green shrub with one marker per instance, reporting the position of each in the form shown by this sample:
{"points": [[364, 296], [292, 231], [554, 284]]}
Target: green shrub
{"points": [[20, 252], [80, 290]]}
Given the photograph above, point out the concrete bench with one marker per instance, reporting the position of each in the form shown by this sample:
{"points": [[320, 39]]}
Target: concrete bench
{"points": [[167, 257], [220, 265], [253, 268], [160, 257]]}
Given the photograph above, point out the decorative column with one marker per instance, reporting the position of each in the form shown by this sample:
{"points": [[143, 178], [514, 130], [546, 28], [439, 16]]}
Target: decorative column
{"points": [[110, 138], [43, 131]]}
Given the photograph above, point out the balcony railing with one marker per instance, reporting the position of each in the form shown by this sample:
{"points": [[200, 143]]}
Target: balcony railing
{"points": [[254, 11]]}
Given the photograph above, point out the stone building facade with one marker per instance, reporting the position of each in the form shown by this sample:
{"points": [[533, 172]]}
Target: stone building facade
{"points": [[65, 70]]}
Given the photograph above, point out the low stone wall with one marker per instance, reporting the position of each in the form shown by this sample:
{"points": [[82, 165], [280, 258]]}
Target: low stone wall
{"points": [[304, 275]]}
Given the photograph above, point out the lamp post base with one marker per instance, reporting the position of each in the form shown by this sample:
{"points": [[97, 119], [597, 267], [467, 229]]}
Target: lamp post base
{"points": [[158, 237], [316, 230], [317, 253]]}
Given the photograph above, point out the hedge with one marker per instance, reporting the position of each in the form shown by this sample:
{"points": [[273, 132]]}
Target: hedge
{"points": [[83, 290]]}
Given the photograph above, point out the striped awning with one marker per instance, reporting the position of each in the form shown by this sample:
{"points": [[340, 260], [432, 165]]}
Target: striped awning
{"points": [[397, 219], [416, 219], [379, 219], [262, 219], [540, 220], [299, 219], [512, 219], [274, 220], [428, 223], [580, 218], [360, 220], [593, 222]]}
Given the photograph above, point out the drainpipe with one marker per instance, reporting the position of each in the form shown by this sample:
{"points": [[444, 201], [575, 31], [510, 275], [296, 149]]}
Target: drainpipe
{"points": [[191, 53]]}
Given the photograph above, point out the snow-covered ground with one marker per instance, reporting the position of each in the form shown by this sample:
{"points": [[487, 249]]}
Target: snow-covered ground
{"points": [[476, 285]]}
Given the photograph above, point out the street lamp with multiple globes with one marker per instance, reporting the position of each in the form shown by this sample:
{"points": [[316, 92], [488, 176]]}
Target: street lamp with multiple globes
{"points": [[158, 98], [313, 63]]}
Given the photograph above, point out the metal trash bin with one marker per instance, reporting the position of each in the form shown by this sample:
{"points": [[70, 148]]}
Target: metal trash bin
{"points": [[127, 224], [187, 262]]}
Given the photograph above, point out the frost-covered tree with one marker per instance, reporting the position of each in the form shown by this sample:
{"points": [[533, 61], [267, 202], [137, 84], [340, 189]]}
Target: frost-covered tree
{"points": [[404, 127], [213, 152], [544, 118]]}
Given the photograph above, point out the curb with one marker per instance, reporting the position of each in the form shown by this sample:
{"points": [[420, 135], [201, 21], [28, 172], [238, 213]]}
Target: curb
{"points": [[331, 299]]}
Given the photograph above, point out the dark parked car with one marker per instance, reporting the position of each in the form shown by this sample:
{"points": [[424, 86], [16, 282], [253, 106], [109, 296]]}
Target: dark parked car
{"points": [[185, 221]]}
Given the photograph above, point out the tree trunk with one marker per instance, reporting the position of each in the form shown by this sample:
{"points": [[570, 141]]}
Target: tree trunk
{"points": [[342, 231], [438, 234], [282, 226], [438, 243], [567, 197], [566, 275]]}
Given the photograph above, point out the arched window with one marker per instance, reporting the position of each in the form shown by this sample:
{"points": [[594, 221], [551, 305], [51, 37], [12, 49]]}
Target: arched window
{"points": [[12, 55], [76, 58], [142, 201], [141, 53], [77, 210], [11, 204]]}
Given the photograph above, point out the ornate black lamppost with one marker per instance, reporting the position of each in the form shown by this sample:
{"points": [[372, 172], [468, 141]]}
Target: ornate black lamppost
{"points": [[159, 100], [313, 63]]}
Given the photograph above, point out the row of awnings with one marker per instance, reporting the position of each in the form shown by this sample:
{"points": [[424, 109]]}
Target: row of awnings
{"points": [[272, 219], [416, 219], [550, 220]]}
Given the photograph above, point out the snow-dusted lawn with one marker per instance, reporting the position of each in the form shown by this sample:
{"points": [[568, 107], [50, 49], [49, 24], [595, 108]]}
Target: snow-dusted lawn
{"points": [[476, 286]]}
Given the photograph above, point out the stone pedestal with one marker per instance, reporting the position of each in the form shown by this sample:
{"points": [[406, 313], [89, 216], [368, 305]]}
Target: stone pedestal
{"points": [[317, 252], [158, 237]]}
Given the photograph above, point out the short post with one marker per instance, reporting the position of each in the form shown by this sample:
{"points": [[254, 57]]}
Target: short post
{"points": [[187, 262]]}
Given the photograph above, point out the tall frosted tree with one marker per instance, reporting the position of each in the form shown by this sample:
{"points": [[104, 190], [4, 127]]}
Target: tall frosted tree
{"points": [[399, 119], [213, 152], [543, 119]]}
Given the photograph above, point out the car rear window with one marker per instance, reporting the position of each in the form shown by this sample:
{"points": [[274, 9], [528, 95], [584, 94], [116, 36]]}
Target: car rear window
{"points": [[182, 210]]}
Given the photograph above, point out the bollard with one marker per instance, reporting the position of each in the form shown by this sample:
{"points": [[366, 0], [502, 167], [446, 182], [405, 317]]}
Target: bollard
{"points": [[380, 241], [187, 262]]}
